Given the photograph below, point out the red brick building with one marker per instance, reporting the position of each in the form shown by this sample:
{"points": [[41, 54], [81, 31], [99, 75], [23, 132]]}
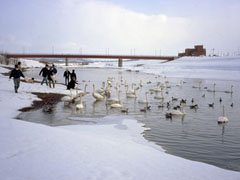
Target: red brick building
{"points": [[197, 51]]}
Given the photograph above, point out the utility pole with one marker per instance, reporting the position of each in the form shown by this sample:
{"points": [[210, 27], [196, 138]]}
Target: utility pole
{"points": [[52, 49], [213, 52]]}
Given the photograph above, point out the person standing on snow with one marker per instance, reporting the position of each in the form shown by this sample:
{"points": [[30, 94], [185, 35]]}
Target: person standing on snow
{"points": [[54, 77], [67, 75], [16, 74], [51, 77], [44, 73], [73, 75]]}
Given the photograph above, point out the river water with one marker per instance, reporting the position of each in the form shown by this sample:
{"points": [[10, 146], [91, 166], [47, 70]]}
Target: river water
{"points": [[196, 136]]}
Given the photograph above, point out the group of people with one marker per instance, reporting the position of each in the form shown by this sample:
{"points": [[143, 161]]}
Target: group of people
{"points": [[49, 75], [68, 75]]}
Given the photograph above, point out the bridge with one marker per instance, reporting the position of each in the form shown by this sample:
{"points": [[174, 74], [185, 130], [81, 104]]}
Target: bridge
{"points": [[87, 56]]}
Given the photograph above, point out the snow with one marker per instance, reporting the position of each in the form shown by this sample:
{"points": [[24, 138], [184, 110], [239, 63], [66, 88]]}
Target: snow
{"points": [[105, 151], [31, 63], [219, 68]]}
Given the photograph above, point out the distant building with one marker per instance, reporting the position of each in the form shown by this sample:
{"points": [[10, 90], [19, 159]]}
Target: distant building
{"points": [[197, 51]]}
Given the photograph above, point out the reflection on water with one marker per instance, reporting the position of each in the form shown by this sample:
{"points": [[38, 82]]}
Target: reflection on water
{"points": [[195, 136]]}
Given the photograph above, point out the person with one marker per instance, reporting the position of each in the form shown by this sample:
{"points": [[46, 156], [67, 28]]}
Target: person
{"points": [[55, 72], [44, 73], [51, 77], [71, 84], [16, 73], [73, 75], [19, 65], [54, 69], [67, 76]]}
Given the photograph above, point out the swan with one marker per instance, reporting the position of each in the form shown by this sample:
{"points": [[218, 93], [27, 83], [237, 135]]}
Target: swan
{"points": [[222, 119], [115, 100], [212, 90], [160, 97], [132, 90], [199, 86], [68, 98], [231, 91], [175, 112], [156, 89], [117, 105], [102, 88], [84, 92], [144, 101], [80, 104], [180, 85], [97, 96], [131, 95]]}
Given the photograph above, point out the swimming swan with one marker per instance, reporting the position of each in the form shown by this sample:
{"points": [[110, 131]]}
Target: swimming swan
{"points": [[212, 90], [144, 101], [97, 96], [180, 112], [222, 119], [231, 91], [80, 104]]}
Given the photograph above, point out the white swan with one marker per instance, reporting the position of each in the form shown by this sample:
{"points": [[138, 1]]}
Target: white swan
{"points": [[68, 98], [212, 90], [160, 97], [102, 88], [84, 92], [144, 101], [231, 91], [117, 105], [129, 91], [116, 99], [222, 119], [80, 104], [199, 86], [180, 112], [180, 85], [131, 95], [132, 90], [97, 96]]}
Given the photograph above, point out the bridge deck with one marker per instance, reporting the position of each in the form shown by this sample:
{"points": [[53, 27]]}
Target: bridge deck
{"points": [[169, 58]]}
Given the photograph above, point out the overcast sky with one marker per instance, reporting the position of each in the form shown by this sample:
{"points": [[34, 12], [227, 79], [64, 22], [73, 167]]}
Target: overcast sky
{"points": [[149, 27]]}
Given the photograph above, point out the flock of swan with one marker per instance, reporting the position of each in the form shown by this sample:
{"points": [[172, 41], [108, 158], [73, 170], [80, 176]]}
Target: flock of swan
{"points": [[109, 86]]}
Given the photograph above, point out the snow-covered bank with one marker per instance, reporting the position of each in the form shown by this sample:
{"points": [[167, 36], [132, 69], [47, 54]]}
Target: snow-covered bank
{"points": [[220, 68], [115, 151]]}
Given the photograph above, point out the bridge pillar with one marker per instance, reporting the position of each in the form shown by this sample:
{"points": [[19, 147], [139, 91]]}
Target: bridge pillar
{"points": [[120, 62], [66, 61]]}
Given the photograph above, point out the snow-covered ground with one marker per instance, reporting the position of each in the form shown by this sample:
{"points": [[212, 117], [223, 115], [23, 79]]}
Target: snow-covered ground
{"points": [[222, 68], [107, 151]]}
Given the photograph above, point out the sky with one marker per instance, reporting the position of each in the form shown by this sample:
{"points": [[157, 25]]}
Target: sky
{"points": [[153, 27]]}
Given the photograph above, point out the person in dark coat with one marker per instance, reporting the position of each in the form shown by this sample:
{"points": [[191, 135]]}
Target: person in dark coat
{"points": [[51, 77], [54, 69], [55, 72], [67, 75], [44, 73], [73, 75], [19, 65], [71, 84], [16, 74]]}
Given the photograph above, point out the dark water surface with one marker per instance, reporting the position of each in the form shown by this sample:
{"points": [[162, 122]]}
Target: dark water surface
{"points": [[196, 136]]}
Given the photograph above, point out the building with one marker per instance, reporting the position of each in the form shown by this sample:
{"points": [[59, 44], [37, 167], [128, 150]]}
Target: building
{"points": [[198, 50]]}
